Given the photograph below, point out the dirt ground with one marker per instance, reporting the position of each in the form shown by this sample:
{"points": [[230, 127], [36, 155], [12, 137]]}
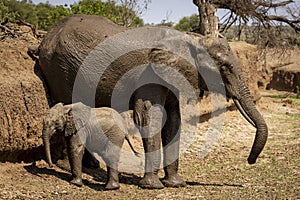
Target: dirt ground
{"points": [[223, 174]]}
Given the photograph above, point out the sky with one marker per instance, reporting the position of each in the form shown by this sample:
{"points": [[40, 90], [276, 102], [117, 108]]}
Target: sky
{"points": [[172, 10]]}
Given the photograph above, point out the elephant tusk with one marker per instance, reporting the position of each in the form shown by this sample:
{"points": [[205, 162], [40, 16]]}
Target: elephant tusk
{"points": [[242, 111]]}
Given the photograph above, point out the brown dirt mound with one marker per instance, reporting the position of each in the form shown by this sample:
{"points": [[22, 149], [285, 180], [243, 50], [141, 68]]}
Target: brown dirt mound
{"points": [[248, 57], [287, 77], [23, 98]]}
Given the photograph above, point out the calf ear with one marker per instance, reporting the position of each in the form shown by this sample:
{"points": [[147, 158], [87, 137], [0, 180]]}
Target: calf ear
{"points": [[72, 124], [67, 109], [70, 128]]}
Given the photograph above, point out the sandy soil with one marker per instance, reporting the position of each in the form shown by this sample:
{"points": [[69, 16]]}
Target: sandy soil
{"points": [[223, 174]]}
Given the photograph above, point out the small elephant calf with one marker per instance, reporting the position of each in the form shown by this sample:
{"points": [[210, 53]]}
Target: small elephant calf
{"points": [[100, 130]]}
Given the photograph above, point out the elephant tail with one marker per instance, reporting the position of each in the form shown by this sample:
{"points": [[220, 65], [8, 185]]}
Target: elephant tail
{"points": [[131, 147]]}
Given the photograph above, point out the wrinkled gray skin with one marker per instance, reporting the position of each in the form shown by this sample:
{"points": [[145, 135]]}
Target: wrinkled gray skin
{"points": [[103, 133], [65, 47]]}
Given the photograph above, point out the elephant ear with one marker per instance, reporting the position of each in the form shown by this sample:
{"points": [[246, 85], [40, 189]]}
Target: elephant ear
{"points": [[70, 128], [73, 124]]}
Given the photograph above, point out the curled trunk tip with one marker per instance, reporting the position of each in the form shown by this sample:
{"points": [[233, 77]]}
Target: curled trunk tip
{"points": [[247, 108], [259, 143]]}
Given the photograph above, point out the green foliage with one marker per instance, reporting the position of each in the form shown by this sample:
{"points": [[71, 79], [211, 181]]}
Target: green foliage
{"points": [[3, 11], [42, 15], [109, 9], [15, 10], [188, 23], [165, 23], [93, 7], [45, 15]]}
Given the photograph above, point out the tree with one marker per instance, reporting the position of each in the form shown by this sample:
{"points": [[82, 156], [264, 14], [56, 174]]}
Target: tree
{"points": [[96, 7], [264, 13], [188, 23], [131, 10], [122, 12], [3, 11], [18, 10], [44, 15]]}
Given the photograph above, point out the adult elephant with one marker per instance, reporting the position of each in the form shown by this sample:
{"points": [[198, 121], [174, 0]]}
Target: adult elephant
{"points": [[85, 58]]}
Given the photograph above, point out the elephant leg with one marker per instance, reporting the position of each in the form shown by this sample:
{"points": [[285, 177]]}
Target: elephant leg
{"points": [[111, 159], [75, 154], [110, 153], [112, 179], [150, 136], [171, 140]]}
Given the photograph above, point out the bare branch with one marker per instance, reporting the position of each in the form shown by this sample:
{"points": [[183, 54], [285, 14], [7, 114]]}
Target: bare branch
{"points": [[6, 29], [228, 24], [262, 21], [270, 4], [295, 24], [260, 10]]}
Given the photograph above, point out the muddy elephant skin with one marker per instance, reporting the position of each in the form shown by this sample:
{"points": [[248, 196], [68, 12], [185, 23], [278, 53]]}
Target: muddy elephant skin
{"points": [[101, 130], [67, 45]]}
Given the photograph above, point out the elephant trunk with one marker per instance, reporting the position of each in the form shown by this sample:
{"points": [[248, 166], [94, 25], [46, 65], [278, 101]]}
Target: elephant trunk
{"points": [[247, 107], [46, 140]]}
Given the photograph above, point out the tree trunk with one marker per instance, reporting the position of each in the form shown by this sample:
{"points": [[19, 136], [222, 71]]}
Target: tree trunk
{"points": [[208, 19]]}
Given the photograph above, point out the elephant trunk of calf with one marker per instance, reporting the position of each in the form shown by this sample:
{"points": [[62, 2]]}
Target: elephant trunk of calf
{"points": [[46, 140], [247, 107]]}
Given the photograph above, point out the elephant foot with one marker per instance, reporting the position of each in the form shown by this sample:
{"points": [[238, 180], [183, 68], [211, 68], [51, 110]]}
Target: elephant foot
{"points": [[76, 181], [151, 181], [112, 185], [64, 164], [174, 181]]}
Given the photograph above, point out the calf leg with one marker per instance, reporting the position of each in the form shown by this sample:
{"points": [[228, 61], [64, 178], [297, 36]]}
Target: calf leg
{"points": [[111, 159], [75, 154], [112, 179], [111, 156]]}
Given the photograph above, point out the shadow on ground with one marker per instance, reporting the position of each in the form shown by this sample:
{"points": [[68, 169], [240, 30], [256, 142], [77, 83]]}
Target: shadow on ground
{"points": [[98, 175]]}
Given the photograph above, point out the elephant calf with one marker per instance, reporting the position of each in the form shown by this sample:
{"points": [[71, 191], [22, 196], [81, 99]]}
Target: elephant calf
{"points": [[100, 130]]}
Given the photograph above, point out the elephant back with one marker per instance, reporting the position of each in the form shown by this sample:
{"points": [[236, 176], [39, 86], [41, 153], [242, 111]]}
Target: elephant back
{"points": [[64, 48], [110, 119]]}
